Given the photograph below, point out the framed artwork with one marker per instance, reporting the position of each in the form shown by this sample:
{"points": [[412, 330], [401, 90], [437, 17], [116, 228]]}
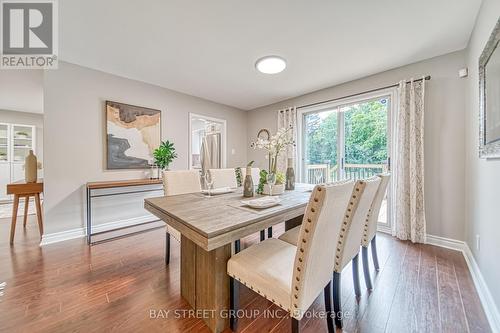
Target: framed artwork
{"points": [[132, 134], [489, 95]]}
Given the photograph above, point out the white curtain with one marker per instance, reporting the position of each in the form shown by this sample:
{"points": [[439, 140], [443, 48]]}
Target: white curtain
{"points": [[287, 118], [408, 167]]}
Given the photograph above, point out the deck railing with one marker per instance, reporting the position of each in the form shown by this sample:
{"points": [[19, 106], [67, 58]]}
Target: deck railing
{"points": [[325, 173]]}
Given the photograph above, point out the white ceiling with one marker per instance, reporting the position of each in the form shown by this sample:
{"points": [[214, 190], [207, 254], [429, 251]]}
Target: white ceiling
{"points": [[208, 48]]}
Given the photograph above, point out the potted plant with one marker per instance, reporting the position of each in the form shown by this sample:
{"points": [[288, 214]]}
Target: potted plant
{"points": [[274, 147], [164, 154]]}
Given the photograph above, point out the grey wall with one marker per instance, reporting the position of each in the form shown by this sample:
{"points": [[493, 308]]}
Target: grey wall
{"points": [[74, 137], [483, 176], [444, 133]]}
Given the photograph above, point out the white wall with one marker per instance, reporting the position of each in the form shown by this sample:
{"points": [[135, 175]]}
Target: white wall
{"points": [[21, 90], [74, 140], [483, 176], [444, 133]]}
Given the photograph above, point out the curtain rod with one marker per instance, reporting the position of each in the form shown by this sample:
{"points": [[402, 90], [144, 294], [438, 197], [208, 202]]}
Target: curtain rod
{"points": [[427, 78]]}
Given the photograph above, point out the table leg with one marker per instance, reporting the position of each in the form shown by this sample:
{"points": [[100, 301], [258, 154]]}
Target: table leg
{"points": [[39, 213], [26, 205], [188, 271], [14, 218], [204, 282]]}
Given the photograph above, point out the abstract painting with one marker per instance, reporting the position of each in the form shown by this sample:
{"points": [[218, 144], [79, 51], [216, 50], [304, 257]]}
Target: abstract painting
{"points": [[133, 133]]}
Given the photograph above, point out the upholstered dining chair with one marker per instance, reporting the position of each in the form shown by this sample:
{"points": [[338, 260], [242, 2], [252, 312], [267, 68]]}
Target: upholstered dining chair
{"points": [[370, 231], [176, 183], [223, 177], [348, 242], [290, 276]]}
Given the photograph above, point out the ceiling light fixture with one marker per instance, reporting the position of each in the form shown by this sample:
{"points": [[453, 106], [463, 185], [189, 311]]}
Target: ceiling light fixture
{"points": [[270, 65]]}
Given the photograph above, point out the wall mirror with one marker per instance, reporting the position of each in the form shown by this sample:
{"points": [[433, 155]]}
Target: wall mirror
{"points": [[489, 91], [207, 147]]}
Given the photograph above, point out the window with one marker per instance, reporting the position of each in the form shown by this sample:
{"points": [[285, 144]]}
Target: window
{"points": [[347, 139]]}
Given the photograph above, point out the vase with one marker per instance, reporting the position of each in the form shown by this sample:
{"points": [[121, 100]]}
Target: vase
{"points": [[30, 168], [290, 176], [248, 184]]}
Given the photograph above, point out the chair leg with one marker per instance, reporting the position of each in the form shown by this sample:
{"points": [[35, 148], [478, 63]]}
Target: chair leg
{"points": [[355, 275], [337, 307], [262, 235], [366, 268], [374, 253], [295, 326], [270, 232], [234, 303], [167, 248], [328, 307]]}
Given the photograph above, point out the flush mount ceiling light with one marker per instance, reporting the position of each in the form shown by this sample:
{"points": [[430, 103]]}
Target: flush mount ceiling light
{"points": [[270, 65]]}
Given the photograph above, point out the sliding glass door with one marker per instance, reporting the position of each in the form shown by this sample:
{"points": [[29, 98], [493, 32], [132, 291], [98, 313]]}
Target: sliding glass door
{"points": [[347, 140]]}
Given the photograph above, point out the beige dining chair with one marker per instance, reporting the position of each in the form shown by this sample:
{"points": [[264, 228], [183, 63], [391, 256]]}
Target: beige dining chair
{"points": [[370, 231], [223, 177], [176, 183], [290, 276], [348, 242]]}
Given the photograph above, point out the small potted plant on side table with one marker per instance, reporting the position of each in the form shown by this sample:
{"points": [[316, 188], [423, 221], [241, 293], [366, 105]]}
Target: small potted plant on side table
{"points": [[164, 155]]}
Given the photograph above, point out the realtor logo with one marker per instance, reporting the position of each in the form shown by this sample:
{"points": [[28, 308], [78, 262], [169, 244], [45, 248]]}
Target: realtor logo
{"points": [[29, 34]]}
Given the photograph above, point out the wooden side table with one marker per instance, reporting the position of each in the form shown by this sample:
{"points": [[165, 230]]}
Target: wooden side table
{"points": [[21, 189]]}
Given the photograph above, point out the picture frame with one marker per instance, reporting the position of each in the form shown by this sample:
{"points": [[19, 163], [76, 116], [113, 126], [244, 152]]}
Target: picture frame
{"points": [[132, 134], [489, 97]]}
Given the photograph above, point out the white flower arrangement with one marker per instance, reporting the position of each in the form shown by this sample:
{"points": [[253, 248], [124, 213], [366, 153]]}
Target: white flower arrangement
{"points": [[275, 145]]}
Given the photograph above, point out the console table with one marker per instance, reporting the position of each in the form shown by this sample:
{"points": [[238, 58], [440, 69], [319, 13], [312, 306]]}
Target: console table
{"points": [[129, 187]]}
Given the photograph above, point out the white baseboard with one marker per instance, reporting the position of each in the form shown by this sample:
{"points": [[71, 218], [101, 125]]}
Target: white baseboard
{"points": [[82, 232], [62, 236], [448, 243], [485, 296], [483, 291]]}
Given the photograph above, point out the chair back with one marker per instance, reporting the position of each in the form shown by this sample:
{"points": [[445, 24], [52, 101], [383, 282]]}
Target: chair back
{"points": [[349, 238], [314, 259], [372, 218], [255, 175], [223, 177], [181, 182]]}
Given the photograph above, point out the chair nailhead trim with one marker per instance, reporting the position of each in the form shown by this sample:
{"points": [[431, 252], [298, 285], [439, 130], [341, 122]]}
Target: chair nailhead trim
{"points": [[357, 191], [314, 207]]}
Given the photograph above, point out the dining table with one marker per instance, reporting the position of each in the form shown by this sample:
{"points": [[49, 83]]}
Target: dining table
{"points": [[209, 227]]}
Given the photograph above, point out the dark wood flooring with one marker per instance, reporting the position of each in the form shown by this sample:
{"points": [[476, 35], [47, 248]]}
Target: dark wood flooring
{"points": [[70, 287]]}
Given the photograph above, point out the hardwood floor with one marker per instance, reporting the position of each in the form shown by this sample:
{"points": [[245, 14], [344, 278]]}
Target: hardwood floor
{"points": [[116, 286]]}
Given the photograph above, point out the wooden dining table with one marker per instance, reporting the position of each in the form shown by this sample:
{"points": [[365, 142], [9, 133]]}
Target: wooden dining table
{"points": [[209, 226]]}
